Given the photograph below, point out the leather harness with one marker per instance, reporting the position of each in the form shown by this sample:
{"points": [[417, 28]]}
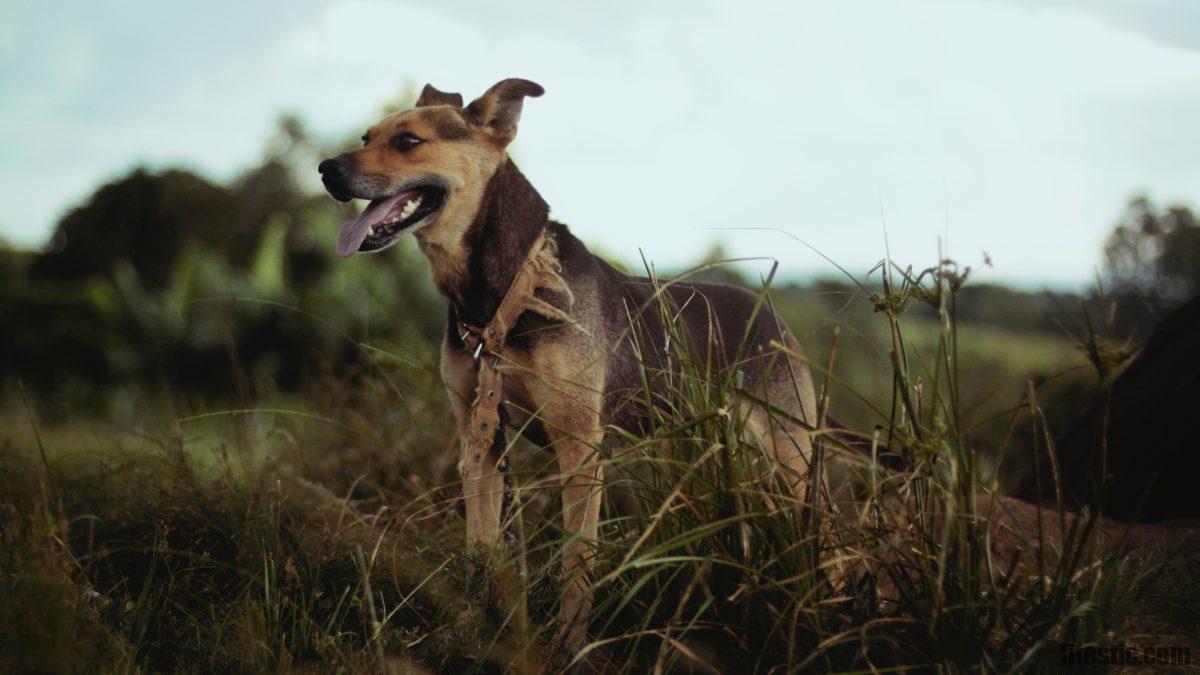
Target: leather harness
{"points": [[485, 431]]}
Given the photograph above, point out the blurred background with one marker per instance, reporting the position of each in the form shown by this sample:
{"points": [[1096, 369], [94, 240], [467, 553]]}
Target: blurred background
{"points": [[168, 250]]}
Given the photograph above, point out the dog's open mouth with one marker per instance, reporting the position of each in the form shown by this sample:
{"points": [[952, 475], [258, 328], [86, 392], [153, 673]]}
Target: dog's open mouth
{"points": [[384, 220]]}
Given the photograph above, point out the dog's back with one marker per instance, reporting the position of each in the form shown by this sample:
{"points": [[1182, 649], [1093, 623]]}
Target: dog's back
{"points": [[728, 330]]}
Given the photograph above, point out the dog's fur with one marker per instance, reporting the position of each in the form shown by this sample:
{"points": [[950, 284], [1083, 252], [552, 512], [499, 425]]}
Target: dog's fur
{"points": [[565, 384]]}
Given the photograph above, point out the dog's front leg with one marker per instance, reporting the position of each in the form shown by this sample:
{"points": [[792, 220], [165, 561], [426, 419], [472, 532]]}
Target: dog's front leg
{"points": [[482, 481], [483, 492], [575, 431]]}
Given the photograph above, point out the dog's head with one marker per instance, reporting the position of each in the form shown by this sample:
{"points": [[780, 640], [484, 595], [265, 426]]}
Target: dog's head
{"points": [[426, 168]]}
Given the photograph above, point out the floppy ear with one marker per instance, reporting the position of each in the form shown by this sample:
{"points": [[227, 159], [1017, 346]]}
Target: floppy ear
{"points": [[431, 96], [498, 110]]}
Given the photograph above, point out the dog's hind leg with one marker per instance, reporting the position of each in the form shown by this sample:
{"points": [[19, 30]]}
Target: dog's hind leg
{"points": [[781, 420]]}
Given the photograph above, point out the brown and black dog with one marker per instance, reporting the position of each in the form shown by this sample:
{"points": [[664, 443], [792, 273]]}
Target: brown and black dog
{"points": [[441, 172]]}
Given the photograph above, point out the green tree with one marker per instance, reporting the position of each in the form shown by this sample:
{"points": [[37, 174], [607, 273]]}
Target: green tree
{"points": [[1152, 261]]}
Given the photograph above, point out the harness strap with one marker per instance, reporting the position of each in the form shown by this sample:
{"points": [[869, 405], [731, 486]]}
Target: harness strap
{"points": [[540, 270]]}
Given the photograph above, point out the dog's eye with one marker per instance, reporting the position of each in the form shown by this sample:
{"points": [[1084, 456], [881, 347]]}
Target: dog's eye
{"points": [[365, 139], [405, 140]]}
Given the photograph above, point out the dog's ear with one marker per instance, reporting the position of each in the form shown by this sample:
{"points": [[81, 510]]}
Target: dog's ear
{"points": [[498, 110], [431, 96]]}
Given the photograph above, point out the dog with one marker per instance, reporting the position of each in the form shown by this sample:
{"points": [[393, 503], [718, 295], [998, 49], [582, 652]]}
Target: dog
{"points": [[536, 315]]}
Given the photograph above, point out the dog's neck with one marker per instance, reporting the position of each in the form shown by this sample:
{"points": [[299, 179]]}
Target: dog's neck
{"points": [[510, 217]]}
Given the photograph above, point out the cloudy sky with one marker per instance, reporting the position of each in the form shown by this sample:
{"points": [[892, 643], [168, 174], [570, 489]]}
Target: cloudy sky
{"points": [[1013, 127]]}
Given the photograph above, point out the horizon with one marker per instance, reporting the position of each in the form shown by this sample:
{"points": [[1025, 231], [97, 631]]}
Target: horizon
{"points": [[751, 266]]}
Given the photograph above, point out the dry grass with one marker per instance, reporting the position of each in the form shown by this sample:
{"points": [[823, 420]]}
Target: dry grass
{"points": [[331, 542]]}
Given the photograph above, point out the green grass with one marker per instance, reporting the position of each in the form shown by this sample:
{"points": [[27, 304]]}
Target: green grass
{"points": [[324, 534]]}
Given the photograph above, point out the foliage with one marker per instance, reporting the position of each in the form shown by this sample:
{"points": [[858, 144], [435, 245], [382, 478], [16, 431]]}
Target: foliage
{"points": [[1152, 261], [166, 282]]}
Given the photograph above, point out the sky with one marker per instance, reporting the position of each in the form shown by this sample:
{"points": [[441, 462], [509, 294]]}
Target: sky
{"points": [[792, 131]]}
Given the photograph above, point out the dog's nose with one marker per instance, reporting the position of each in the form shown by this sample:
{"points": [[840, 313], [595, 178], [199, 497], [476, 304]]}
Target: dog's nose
{"points": [[331, 168]]}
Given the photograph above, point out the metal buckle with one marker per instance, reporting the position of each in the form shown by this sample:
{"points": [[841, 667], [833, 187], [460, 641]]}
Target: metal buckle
{"points": [[468, 332]]}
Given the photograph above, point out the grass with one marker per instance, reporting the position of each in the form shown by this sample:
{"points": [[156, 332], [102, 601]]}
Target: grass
{"points": [[329, 538]]}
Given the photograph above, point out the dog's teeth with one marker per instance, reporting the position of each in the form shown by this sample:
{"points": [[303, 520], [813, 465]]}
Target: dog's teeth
{"points": [[370, 230], [409, 208]]}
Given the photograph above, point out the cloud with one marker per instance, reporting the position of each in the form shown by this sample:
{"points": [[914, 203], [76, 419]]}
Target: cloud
{"points": [[1001, 127], [1170, 22]]}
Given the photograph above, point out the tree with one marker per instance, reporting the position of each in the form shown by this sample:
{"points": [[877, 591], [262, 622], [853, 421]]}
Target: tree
{"points": [[147, 219], [1152, 261], [140, 218]]}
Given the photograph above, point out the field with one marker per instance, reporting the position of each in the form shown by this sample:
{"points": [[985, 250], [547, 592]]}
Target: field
{"points": [[320, 530]]}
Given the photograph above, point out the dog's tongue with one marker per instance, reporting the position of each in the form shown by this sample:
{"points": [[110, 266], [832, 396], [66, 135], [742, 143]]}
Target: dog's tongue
{"points": [[353, 232]]}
